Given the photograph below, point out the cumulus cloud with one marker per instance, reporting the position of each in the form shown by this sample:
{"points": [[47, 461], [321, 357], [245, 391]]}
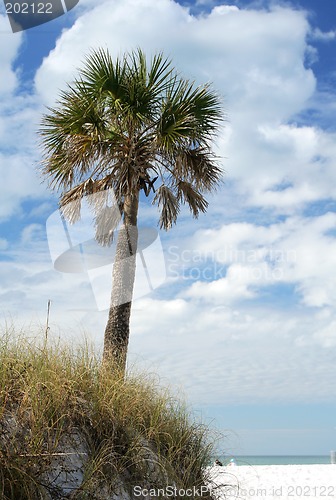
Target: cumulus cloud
{"points": [[28, 281], [19, 116], [114, 25], [8, 53], [233, 355], [229, 45], [299, 251], [323, 36]]}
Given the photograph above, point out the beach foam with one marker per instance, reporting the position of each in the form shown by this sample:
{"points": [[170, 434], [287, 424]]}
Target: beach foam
{"points": [[271, 482]]}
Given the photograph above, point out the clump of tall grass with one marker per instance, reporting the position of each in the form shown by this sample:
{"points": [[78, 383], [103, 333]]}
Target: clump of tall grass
{"points": [[136, 433]]}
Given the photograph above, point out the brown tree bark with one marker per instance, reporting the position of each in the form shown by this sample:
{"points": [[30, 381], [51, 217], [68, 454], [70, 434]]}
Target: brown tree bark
{"points": [[118, 325]]}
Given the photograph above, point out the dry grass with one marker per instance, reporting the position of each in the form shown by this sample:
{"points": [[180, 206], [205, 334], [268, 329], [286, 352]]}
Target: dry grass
{"points": [[135, 430]]}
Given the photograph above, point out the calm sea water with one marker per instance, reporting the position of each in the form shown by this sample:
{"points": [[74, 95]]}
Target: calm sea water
{"points": [[277, 460]]}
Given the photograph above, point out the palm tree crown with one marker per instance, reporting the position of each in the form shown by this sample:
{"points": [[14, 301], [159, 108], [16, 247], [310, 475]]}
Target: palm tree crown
{"points": [[129, 126]]}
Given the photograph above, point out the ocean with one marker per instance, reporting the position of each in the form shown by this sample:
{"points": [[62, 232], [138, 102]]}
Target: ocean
{"points": [[277, 460]]}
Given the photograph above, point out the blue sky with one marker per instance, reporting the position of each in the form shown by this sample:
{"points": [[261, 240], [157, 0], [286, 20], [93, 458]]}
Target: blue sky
{"points": [[245, 323]]}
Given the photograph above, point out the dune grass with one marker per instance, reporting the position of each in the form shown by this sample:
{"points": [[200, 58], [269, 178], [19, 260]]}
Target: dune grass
{"points": [[136, 432]]}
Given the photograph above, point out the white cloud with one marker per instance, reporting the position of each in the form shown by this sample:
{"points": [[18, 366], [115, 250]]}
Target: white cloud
{"points": [[323, 36], [233, 356], [327, 336], [20, 181], [19, 116], [8, 52], [299, 252], [114, 25], [28, 281], [31, 233], [229, 43], [220, 9], [224, 290], [3, 244]]}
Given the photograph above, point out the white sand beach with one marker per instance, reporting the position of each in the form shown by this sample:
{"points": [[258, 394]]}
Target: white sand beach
{"points": [[283, 482]]}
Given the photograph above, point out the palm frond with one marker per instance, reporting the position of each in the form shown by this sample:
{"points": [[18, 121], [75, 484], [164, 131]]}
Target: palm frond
{"points": [[106, 222], [199, 167], [194, 199], [160, 75], [108, 210], [169, 204], [189, 115], [71, 201], [206, 108], [101, 75], [73, 140], [71, 210]]}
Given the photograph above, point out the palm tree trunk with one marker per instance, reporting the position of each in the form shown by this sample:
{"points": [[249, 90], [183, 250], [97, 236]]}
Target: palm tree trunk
{"points": [[118, 324]]}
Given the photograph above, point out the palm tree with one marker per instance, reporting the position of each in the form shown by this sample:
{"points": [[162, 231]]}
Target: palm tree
{"points": [[124, 125]]}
